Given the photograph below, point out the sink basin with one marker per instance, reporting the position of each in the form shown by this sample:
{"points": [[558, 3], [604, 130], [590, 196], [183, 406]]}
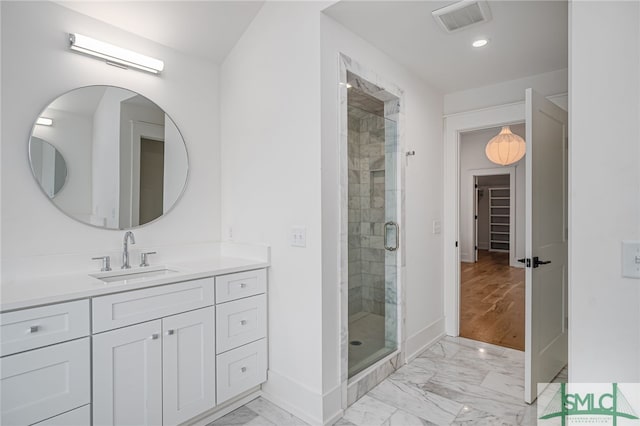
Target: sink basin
{"points": [[132, 275]]}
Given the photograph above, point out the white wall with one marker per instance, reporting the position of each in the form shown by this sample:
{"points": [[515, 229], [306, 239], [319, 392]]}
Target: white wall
{"points": [[106, 158], [271, 182], [548, 84], [422, 133], [473, 157], [604, 188], [37, 67]]}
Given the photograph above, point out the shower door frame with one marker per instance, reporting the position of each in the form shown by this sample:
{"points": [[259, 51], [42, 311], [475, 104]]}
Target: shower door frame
{"points": [[393, 98]]}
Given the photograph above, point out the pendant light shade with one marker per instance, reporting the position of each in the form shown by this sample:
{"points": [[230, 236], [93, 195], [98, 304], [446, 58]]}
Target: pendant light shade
{"points": [[505, 148]]}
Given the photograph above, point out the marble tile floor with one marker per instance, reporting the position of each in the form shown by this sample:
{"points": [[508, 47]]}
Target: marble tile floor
{"points": [[457, 381]]}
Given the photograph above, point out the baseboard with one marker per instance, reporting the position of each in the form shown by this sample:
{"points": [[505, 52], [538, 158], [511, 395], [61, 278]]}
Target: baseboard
{"points": [[332, 406], [294, 397], [424, 338], [224, 409]]}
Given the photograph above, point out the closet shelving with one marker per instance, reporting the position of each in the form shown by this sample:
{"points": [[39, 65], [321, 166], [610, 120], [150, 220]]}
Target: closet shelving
{"points": [[499, 217]]}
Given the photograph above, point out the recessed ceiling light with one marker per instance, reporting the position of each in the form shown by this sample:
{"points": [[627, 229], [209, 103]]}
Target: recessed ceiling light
{"points": [[481, 42]]}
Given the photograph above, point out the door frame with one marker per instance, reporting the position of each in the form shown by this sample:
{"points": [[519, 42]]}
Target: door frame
{"points": [[139, 130], [507, 170], [454, 126]]}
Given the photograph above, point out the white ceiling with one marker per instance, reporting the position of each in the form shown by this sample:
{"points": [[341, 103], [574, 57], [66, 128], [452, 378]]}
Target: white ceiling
{"points": [[206, 29], [526, 38]]}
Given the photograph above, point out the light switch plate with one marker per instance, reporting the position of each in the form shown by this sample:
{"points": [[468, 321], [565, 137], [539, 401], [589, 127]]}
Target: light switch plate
{"points": [[436, 227], [298, 236], [631, 259]]}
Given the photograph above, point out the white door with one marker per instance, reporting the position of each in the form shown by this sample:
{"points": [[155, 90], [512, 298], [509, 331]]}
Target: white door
{"points": [[127, 376], [188, 365], [546, 242]]}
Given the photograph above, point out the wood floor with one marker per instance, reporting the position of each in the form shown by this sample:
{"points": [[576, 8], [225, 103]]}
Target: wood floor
{"points": [[492, 301]]}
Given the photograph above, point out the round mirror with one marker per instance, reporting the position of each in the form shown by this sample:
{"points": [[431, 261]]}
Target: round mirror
{"points": [[48, 166], [125, 162]]}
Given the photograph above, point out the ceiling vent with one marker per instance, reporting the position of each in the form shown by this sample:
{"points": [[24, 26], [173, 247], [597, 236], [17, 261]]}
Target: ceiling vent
{"points": [[462, 14]]}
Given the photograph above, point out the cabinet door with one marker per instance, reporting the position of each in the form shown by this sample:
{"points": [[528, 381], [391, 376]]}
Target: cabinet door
{"points": [[45, 382], [127, 376], [188, 365]]}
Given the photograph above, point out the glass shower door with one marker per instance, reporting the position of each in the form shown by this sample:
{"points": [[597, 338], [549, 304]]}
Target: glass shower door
{"points": [[374, 239]]}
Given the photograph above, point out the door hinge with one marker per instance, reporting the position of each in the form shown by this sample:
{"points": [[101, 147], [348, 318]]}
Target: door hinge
{"points": [[476, 185], [475, 217], [476, 247], [456, 244]]}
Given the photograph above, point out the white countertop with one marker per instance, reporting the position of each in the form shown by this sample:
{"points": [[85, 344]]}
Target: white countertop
{"points": [[20, 294]]}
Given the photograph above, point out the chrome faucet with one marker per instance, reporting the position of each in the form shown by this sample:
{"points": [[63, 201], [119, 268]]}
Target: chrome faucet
{"points": [[128, 236]]}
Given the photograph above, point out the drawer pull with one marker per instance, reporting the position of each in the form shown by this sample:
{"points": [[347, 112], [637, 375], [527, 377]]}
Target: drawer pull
{"points": [[243, 322], [243, 369], [34, 329], [170, 332], [243, 285], [154, 336]]}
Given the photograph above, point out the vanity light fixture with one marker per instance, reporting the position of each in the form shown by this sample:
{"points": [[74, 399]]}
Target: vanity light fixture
{"points": [[44, 121], [114, 55], [505, 148]]}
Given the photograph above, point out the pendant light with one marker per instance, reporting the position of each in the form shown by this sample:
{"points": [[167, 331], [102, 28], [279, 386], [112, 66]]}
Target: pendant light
{"points": [[505, 148]]}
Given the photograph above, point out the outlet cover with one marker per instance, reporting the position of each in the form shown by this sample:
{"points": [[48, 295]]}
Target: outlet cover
{"points": [[631, 259]]}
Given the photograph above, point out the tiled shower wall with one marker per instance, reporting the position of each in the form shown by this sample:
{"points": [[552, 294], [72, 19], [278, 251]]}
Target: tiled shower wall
{"points": [[366, 214]]}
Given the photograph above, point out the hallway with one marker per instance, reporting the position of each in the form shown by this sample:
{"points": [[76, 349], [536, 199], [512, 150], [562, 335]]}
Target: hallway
{"points": [[492, 301]]}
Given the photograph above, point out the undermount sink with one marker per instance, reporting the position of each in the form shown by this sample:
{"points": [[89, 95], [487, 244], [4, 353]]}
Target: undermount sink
{"points": [[129, 275]]}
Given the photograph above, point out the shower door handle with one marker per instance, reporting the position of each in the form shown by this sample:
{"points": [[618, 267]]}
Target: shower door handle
{"points": [[397, 244]]}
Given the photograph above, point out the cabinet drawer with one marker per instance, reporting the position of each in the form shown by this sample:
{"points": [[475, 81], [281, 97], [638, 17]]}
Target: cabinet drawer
{"points": [[78, 417], [45, 382], [241, 369], [132, 307], [43, 326], [243, 284], [240, 322]]}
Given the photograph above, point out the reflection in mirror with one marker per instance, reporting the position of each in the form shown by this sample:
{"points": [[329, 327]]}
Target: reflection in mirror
{"points": [[48, 165], [126, 159]]}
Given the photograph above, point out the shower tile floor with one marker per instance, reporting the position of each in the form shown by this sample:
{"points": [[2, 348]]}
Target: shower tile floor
{"points": [[456, 381], [368, 329]]}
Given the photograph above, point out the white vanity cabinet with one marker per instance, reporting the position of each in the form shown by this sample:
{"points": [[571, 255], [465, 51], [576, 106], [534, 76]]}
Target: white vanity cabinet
{"points": [[158, 355], [158, 372], [48, 370]]}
